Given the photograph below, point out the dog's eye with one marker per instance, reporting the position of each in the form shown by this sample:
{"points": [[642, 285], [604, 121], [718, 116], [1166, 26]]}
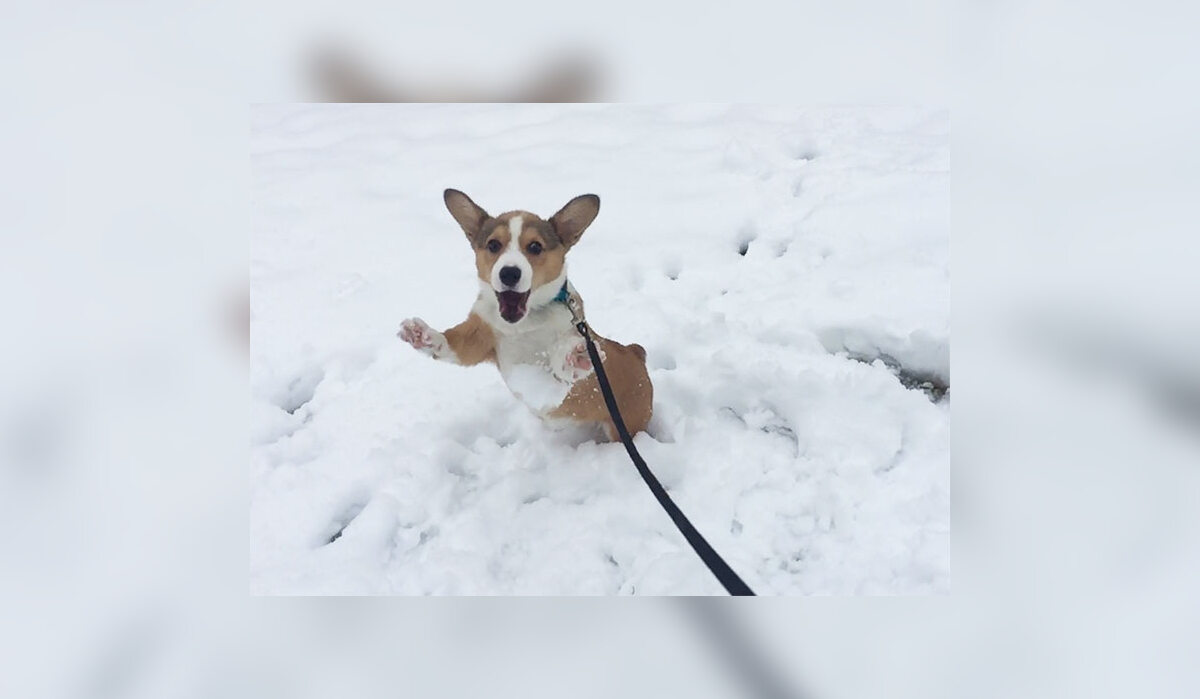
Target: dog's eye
{"points": [[534, 248], [493, 246]]}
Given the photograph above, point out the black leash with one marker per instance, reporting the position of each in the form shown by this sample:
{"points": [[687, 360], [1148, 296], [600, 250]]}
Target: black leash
{"points": [[725, 575]]}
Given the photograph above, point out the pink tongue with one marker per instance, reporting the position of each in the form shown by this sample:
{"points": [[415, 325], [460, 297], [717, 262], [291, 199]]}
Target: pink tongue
{"points": [[512, 305]]}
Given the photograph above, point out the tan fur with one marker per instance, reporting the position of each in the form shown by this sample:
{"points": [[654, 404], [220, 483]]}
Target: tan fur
{"points": [[625, 367], [472, 341]]}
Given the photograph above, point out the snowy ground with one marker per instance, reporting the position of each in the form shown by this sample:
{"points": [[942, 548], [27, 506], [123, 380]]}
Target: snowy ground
{"points": [[763, 256]]}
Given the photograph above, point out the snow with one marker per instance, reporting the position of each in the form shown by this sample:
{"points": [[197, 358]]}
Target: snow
{"points": [[777, 263], [537, 389]]}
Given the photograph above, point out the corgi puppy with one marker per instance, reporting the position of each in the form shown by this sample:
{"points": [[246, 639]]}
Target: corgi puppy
{"points": [[521, 323]]}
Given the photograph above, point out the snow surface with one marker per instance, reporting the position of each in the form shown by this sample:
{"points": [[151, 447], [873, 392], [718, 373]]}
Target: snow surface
{"points": [[763, 256]]}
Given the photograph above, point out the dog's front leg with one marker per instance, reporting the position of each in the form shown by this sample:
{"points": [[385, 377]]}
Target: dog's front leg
{"points": [[423, 338], [569, 362], [468, 343]]}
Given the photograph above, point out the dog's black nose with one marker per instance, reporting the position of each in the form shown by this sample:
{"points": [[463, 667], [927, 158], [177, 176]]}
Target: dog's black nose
{"points": [[509, 276]]}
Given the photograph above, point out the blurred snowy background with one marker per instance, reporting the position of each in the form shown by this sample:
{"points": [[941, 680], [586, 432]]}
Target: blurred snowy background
{"points": [[786, 268]]}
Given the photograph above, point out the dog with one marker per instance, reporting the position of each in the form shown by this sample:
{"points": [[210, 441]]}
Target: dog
{"points": [[521, 321]]}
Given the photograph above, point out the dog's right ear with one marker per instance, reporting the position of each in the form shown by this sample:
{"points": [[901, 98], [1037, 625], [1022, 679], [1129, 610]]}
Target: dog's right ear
{"points": [[468, 214]]}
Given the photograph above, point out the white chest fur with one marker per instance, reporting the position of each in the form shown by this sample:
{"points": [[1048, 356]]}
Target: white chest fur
{"points": [[530, 353]]}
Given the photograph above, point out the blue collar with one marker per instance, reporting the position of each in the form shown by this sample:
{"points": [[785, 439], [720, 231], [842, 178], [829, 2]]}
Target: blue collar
{"points": [[562, 293]]}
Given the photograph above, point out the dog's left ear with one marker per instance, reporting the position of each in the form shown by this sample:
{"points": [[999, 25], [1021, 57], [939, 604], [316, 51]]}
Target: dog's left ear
{"points": [[470, 216], [571, 220]]}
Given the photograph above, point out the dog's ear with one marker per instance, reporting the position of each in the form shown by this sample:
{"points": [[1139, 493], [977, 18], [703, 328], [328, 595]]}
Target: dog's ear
{"points": [[468, 214], [571, 220]]}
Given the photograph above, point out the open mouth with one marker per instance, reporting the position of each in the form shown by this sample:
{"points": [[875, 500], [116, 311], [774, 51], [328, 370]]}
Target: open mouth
{"points": [[512, 304]]}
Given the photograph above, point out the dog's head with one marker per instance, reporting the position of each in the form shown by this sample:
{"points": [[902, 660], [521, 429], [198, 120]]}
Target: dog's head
{"points": [[518, 254]]}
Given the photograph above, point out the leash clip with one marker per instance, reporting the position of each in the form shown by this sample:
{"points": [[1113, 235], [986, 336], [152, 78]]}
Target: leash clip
{"points": [[575, 308]]}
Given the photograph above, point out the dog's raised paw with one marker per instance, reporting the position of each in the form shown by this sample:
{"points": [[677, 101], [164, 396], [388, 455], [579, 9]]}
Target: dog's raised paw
{"points": [[417, 333], [576, 363]]}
